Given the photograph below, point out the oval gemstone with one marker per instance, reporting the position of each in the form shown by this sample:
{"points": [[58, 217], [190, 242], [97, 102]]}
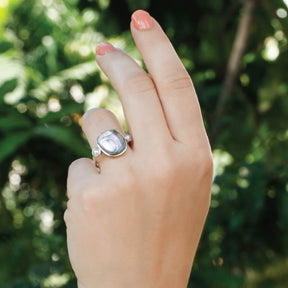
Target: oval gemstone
{"points": [[112, 143]]}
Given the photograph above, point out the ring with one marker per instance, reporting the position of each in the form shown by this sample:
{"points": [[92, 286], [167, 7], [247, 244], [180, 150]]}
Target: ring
{"points": [[111, 143]]}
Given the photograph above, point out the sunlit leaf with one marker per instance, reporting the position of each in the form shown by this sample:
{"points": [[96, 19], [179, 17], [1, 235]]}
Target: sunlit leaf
{"points": [[56, 83], [12, 68]]}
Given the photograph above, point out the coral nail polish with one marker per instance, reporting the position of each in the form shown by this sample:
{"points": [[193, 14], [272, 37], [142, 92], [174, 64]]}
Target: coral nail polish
{"points": [[142, 20], [103, 48]]}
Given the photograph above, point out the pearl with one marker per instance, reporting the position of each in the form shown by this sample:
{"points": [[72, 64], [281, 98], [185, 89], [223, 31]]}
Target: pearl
{"points": [[96, 151]]}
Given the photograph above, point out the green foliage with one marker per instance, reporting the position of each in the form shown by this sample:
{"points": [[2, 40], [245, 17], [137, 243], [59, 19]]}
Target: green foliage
{"points": [[48, 79]]}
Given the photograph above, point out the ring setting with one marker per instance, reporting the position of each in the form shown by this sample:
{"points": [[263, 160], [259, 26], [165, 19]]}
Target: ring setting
{"points": [[111, 143]]}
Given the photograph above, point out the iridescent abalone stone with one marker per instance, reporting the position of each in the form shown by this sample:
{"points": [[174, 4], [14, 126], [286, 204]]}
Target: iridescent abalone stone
{"points": [[112, 143]]}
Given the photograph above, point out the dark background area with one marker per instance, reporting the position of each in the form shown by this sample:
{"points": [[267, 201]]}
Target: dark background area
{"points": [[236, 53]]}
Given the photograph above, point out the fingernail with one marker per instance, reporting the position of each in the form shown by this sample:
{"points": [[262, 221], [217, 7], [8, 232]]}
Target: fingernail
{"points": [[141, 20], [103, 48]]}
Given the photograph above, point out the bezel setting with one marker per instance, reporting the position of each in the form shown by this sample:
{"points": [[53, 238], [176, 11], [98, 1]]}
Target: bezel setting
{"points": [[112, 143]]}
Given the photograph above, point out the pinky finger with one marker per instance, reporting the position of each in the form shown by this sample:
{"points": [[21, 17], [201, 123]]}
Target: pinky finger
{"points": [[81, 172]]}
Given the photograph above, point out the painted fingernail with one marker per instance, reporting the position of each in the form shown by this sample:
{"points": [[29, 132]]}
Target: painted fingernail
{"points": [[103, 48], [141, 20]]}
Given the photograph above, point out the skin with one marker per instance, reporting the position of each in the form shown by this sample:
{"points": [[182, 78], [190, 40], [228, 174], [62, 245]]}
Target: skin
{"points": [[138, 223]]}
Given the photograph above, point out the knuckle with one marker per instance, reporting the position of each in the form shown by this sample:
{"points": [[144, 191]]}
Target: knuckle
{"points": [[139, 84], [83, 203], [95, 115], [88, 196], [204, 163], [176, 81], [75, 166], [66, 216], [76, 182]]}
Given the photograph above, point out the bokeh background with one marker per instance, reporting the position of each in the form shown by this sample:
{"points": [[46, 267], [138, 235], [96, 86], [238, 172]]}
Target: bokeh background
{"points": [[235, 51]]}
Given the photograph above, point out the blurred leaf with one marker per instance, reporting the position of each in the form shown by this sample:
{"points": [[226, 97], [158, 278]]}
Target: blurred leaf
{"points": [[65, 137], [138, 4], [10, 143], [5, 45], [219, 277], [6, 87], [64, 111], [14, 121]]}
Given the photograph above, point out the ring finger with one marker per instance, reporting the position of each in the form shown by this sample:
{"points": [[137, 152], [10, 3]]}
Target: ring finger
{"points": [[96, 121], [141, 104]]}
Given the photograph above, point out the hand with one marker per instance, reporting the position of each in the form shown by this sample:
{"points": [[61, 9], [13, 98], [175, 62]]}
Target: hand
{"points": [[138, 222]]}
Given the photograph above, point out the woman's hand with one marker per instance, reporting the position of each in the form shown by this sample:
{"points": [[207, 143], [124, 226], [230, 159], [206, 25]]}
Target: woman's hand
{"points": [[138, 222]]}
